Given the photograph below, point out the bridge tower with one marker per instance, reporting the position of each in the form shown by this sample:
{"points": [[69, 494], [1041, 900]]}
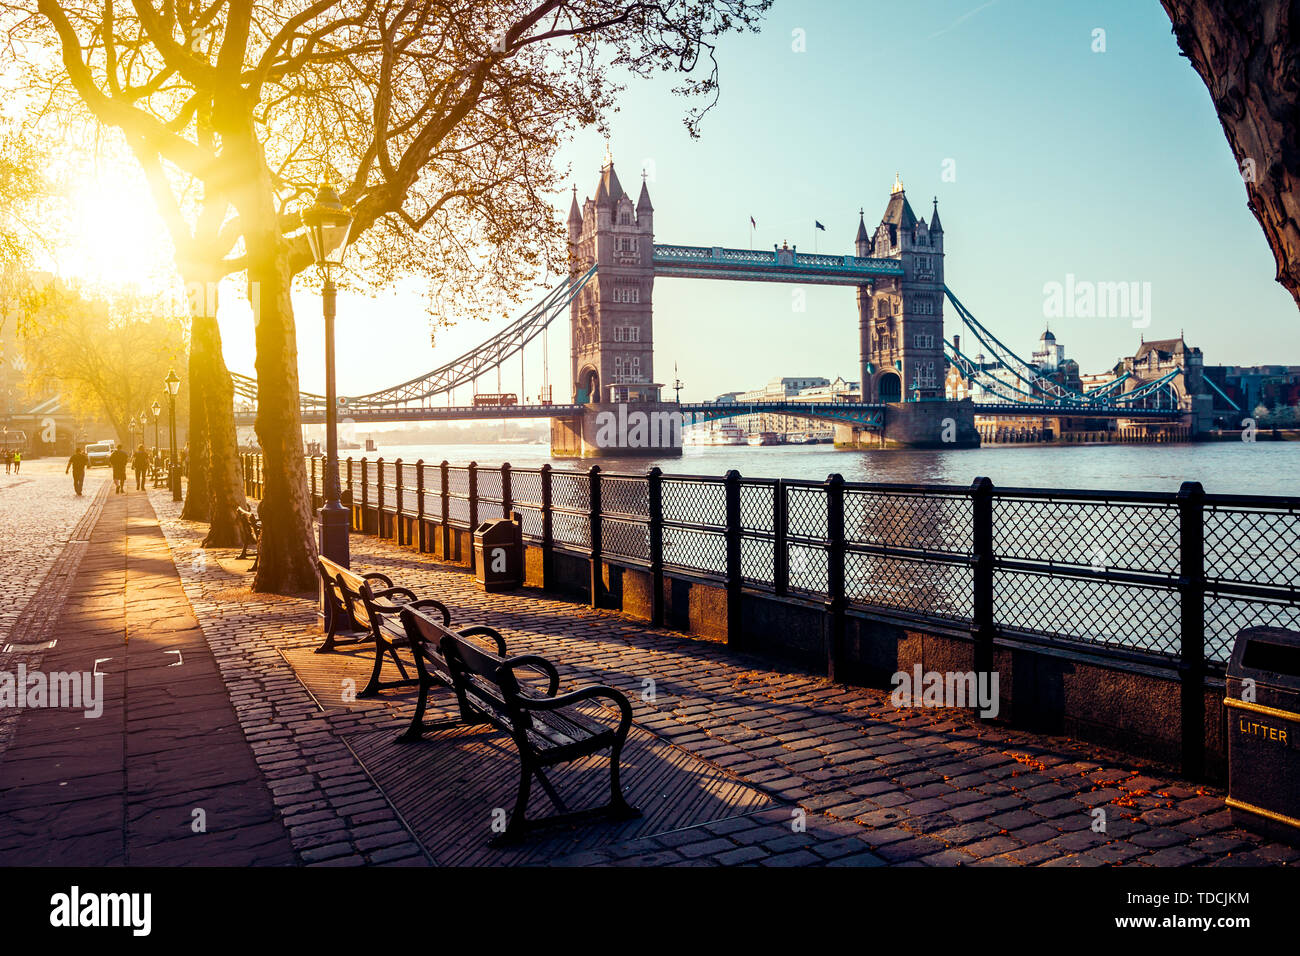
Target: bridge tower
{"points": [[900, 319], [612, 328], [612, 318]]}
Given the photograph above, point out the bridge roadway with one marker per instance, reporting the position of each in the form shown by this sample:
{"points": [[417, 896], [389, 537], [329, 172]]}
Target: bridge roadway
{"points": [[862, 414]]}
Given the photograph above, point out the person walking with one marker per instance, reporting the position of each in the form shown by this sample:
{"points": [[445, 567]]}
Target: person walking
{"points": [[9, 460], [140, 465], [118, 460], [77, 464], [18, 461]]}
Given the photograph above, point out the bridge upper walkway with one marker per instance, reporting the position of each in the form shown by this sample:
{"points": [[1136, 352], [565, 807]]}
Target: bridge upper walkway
{"points": [[779, 265]]}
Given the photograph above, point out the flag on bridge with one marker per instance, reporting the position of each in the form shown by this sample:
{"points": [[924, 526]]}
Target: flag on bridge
{"points": [[752, 224], [819, 225]]}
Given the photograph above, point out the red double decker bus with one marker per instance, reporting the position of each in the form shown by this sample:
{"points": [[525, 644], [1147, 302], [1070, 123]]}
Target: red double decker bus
{"points": [[506, 398]]}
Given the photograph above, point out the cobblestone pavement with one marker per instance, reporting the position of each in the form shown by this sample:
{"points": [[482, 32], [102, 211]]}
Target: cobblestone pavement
{"points": [[38, 512], [44, 528], [861, 782]]}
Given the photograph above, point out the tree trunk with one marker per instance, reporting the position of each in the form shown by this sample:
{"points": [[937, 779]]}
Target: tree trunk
{"points": [[1248, 54], [225, 487], [286, 552], [198, 504], [287, 549]]}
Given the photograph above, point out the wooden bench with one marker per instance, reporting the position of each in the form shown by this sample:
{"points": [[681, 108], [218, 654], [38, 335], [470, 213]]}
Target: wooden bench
{"points": [[250, 531], [341, 627], [372, 605], [547, 730], [424, 637]]}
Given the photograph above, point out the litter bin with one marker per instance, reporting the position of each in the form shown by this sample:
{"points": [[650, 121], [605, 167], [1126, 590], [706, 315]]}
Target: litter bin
{"points": [[499, 553], [1263, 708]]}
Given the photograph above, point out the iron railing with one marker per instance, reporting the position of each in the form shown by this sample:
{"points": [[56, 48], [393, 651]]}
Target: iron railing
{"points": [[1155, 576]]}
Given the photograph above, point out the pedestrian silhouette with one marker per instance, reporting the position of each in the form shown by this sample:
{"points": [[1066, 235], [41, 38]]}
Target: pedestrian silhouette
{"points": [[140, 465], [77, 464], [118, 460]]}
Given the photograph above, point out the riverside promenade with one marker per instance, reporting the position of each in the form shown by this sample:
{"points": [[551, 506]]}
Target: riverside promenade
{"points": [[217, 712]]}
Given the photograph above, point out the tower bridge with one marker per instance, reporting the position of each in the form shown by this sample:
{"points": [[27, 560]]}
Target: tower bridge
{"points": [[897, 270]]}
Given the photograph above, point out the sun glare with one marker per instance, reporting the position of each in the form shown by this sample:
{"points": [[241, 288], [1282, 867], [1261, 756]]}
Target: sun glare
{"points": [[114, 233]]}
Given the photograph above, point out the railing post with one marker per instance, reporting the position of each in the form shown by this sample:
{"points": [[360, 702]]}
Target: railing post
{"points": [[365, 492], [379, 496], [593, 503], [397, 505], [352, 500], [446, 510], [311, 470], [982, 625], [548, 531], [1191, 587], [780, 539], [731, 493], [655, 496], [421, 539], [473, 508], [835, 603], [506, 497]]}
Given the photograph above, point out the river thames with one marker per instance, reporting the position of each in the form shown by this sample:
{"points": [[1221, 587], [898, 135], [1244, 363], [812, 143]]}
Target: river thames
{"points": [[1258, 468]]}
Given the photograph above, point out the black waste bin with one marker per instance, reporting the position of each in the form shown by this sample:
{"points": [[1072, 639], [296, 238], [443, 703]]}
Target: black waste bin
{"points": [[499, 553], [1263, 709]]}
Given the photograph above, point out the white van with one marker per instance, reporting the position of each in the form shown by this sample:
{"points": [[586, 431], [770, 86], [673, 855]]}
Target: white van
{"points": [[98, 452]]}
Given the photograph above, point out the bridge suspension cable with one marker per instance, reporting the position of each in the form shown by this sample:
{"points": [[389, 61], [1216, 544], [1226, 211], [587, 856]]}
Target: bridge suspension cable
{"points": [[1028, 374], [462, 370]]}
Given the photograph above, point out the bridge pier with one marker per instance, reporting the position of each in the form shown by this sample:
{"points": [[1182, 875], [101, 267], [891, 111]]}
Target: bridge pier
{"points": [[926, 424], [619, 430]]}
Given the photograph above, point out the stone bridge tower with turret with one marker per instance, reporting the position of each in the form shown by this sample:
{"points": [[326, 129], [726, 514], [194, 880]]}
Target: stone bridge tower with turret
{"points": [[611, 320], [900, 319], [612, 329]]}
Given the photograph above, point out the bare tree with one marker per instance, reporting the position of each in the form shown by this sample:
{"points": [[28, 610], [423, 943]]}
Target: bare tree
{"points": [[446, 115], [1248, 54]]}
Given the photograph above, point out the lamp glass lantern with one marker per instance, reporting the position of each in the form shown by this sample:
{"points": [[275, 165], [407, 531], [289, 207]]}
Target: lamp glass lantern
{"points": [[328, 223], [173, 382], [156, 409]]}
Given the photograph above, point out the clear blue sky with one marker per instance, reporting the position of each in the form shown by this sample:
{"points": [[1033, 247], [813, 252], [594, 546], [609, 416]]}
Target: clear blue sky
{"points": [[1111, 166]]}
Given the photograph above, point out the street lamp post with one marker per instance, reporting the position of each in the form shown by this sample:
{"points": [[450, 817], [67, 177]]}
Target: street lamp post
{"points": [[144, 423], [156, 409], [328, 223], [173, 383]]}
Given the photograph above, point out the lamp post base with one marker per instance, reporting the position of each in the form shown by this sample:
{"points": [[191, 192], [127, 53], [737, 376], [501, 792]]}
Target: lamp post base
{"points": [[334, 534], [176, 484]]}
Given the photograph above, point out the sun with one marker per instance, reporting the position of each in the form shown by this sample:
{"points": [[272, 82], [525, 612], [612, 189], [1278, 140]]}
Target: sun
{"points": [[114, 234]]}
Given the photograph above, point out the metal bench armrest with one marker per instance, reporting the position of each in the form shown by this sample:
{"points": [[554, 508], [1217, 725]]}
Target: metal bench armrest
{"points": [[482, 630], [392, 607], [578, 696], [430, 602], [376, 576], [537, 663]]}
